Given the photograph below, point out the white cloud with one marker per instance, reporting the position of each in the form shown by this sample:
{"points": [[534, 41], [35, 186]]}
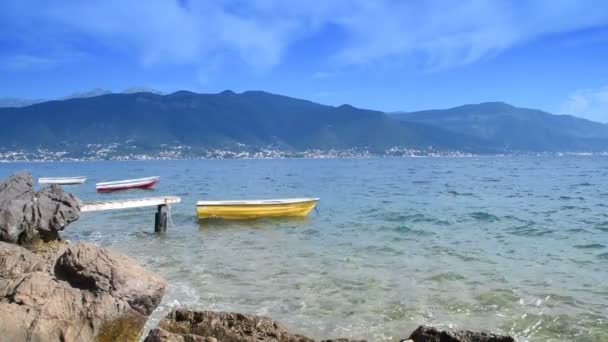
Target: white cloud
{"points": [[22, 62], [439, 34], [590, 104], [433, 34]]}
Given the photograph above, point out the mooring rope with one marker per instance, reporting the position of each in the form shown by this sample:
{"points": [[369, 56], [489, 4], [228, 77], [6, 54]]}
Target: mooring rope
{"points": [[169, 216]]}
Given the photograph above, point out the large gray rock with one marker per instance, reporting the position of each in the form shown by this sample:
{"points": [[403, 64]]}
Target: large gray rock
{"points": [[211, 326], [26, 215], [430, 334], [88, 294]]}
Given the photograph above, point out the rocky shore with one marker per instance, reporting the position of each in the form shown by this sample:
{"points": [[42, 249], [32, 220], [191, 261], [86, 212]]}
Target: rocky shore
{"points": [[211, 326], [51, 290]]}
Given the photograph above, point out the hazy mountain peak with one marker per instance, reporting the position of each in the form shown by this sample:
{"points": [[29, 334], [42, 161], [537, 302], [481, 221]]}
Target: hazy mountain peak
{"points": [[227, 92], [17, 102], [519, 129], [490, 107], [142, 89], [182, 93], [90, 93]]}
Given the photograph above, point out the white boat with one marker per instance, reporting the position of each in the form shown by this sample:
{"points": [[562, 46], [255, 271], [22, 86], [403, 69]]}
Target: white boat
{"points": [[140, 183], [62, 180]]}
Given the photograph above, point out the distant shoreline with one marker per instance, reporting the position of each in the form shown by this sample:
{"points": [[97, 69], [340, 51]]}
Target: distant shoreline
{"points": [[239, 156]]}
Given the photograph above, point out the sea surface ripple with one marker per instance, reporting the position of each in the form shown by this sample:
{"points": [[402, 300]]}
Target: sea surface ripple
{"points": [[514, 245]]}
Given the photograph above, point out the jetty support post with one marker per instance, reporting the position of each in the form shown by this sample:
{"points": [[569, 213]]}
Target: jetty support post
{"points": [[160, 219]]}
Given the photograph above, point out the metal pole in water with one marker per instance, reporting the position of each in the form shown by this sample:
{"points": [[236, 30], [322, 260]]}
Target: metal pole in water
{"points": [[160, 219]]}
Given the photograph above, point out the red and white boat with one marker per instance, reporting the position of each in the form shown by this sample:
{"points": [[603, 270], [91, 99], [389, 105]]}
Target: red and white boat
{"points": [[140, 183]]}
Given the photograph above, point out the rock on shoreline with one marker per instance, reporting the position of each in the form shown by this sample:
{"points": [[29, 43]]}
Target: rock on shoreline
{"points": [[430, 334], [211, 326], [27, 215], [79, 292]]}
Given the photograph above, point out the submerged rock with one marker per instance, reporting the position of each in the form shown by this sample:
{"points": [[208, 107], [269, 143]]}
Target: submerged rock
{"points": [[430, 334], [210, 326], [77, 293], [26, 215]]}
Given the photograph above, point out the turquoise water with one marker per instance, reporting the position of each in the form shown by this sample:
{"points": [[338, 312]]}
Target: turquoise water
{"points": [[517, 245]]}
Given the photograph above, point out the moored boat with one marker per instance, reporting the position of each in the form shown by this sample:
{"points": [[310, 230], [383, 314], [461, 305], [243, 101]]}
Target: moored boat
{"points": [[140, 183], [251, 209], [62, 180]]}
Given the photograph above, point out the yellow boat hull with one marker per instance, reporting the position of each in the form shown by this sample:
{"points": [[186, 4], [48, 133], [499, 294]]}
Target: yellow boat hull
{"points": [[247, 210]]}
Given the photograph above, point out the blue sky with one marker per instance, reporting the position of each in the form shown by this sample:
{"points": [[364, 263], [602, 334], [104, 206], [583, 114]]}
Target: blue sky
{"points": [[382, 54]]}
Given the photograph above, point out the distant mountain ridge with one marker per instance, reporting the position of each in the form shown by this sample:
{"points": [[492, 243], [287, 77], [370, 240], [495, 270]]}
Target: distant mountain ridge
{"points": [[22, 102], [224, 120], [257, 119], [17, 102], [515, 129]]}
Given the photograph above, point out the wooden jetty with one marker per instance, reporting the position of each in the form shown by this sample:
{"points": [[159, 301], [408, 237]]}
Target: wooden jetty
{"points": [[161, 202]]}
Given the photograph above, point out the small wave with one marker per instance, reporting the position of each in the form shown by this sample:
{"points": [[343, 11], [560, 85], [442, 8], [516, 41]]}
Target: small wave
{"points": [[591, 246], [488, 179], [456, 193], [447, 276], [562, 327], [602, 226], [574, 207], [498, 298], [568, 198], [529, 229], [577, 230], [408, 230], [393, 217], [511, 217], [483, 216], [414, 218], [383, 250], [603, 256]]}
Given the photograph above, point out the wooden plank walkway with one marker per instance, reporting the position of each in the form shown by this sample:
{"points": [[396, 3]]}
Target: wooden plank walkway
{"points": [[129, 203]]}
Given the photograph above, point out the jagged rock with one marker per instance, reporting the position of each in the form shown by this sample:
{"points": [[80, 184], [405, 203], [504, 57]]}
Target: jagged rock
{"points": [[430, 334], [161, 335], [56, 209], [16, 261], [89, 294], [180, 325], [210, 326], [100, 270], [26, 215]]}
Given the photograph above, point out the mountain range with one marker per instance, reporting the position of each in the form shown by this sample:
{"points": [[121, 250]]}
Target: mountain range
{"points": [[256, 119], [510, 128], [21, 102]]}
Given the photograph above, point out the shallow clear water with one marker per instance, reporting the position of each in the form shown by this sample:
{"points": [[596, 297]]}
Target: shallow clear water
{"points": [[514, 244]]}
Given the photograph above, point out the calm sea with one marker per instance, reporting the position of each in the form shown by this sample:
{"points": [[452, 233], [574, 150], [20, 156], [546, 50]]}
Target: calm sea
{"points": [[517, 245]]}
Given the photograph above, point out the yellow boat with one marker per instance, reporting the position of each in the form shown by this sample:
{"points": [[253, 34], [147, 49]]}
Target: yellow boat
{"points": [[251, 209]]}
